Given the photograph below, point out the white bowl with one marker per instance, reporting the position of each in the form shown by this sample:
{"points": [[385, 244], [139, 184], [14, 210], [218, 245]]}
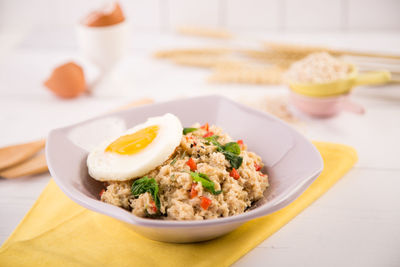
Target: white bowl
{"points": [[291, 161]]}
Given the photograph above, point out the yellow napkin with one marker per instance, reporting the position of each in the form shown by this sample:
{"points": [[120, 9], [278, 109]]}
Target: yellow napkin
{"points": [[58, 231]]}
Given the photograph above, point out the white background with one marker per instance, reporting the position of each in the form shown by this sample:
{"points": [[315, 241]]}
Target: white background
{"points": [[356, 223], [260, 15]]}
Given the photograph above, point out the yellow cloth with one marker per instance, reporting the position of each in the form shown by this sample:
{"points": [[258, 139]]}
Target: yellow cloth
{"points": [[58, 232]]}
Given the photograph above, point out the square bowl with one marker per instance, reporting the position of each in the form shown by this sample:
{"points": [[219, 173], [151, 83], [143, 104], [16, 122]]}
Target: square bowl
{"points": [[291, 162]]}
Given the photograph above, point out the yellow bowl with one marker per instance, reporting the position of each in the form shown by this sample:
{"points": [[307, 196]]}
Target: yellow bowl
{"points": [[341, 86]]}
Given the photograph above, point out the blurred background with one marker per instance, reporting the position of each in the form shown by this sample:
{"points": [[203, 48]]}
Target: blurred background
{"points": [[58, 18], [38, 36], [250, 15]]}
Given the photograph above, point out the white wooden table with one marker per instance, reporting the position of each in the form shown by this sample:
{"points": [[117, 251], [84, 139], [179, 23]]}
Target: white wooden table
{"points": [[356, 223]]}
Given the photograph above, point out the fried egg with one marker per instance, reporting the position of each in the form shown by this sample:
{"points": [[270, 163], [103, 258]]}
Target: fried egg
{"points": [[137, 151]]}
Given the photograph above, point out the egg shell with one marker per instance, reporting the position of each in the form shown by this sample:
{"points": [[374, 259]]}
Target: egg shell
{"points": [[109, 15], [67, 81]]}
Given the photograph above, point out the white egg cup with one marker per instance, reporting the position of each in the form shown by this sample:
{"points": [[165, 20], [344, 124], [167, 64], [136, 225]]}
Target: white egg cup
{"points": [[104, 47]]}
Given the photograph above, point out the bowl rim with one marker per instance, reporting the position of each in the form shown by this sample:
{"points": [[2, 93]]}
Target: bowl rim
{"points": [[124, 215]]}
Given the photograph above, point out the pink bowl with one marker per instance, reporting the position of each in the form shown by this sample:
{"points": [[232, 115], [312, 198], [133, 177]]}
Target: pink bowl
{"points": [[324, 106]]}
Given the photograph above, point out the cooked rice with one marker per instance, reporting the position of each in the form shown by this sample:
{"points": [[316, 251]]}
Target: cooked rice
{"points": [[317, 68], [175, 182]]}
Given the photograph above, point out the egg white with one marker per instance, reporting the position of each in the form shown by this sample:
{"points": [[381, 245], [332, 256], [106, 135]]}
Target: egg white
{"points": [[110, 166]]}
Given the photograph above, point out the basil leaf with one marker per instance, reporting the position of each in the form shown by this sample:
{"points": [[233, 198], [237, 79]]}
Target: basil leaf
{"points": [[146, 184], [189, 130], [205, 182], [234, 160], [232, 147], [213, 139], [230, 150]]}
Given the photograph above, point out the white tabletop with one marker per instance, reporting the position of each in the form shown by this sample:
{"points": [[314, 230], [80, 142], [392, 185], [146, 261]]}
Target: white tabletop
{"points": [[356, 223]]}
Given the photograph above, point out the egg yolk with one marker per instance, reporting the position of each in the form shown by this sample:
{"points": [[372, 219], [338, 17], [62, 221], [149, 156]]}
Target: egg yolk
{"points": [[133, 143]]}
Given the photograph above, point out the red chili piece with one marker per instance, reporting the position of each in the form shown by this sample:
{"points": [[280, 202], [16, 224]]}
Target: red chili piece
{"points": [[208, 134], [205, 127], [102, 192], [205, 202], [192, 164], [153, 206], [234, 174], [193, 191]]}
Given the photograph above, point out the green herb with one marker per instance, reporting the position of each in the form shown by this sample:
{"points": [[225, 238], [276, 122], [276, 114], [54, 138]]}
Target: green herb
{"points": [[213, 139], [234, 160], [174, 160], [230, 150], [205, 182], [189, 130], [146, 184], [232, 147]]}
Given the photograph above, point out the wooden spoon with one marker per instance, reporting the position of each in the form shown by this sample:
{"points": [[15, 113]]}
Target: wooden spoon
{"points": [[12, 155], [35, 165], [23, 159]]}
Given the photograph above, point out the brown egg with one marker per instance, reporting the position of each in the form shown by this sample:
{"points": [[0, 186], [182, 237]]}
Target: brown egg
{"points": [[109, 15], [67, 81]]}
